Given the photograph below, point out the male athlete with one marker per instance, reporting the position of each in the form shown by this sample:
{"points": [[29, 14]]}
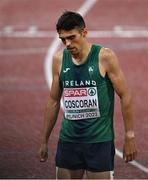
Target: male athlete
{"points": [[86, 75]]}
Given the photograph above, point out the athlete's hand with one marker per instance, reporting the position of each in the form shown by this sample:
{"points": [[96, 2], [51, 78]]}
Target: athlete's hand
{"points": [[43, 152], [129, 149]]}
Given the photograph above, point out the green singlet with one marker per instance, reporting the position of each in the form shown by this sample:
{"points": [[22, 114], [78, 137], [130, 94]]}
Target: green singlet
{"points": [[88, 100]]}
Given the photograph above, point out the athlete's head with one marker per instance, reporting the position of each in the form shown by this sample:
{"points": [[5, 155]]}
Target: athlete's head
{"points": [[72, 31], [70, 20]]}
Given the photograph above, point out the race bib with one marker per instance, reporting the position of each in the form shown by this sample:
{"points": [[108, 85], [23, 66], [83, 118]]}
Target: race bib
{"points": [[81, 103]]}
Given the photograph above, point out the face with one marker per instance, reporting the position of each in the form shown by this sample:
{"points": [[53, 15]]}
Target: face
{"points": [[73, 40]]}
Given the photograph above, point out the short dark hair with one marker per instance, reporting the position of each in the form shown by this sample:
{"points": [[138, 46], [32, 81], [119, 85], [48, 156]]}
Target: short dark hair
{"points": [[70, 20]]}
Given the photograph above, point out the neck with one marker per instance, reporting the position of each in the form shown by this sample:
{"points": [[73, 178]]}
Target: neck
{"points": [[81, 57]]}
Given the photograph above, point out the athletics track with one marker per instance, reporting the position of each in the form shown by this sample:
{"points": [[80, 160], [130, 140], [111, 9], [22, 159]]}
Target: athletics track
{"points": [[28, 41]]}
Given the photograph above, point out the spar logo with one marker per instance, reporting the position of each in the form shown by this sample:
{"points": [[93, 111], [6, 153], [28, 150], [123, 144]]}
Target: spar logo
{"points": [[91, 91], [79, 92], [75, 92]]}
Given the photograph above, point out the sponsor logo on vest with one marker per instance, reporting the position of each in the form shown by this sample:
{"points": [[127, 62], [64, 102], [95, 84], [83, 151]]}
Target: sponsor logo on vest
{"points": [[66, 70], [92, 91], [78, 92]]}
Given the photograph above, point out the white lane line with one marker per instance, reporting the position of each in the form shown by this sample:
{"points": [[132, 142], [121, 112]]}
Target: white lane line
{"points": [[33, 32], [88, 4], [134, 163], [8, 30], [23, 51], [30, 33], [118, 34], [54, 47], [43, 50]]}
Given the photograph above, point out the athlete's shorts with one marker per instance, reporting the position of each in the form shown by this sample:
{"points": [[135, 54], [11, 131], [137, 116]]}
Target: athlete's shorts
{"points": [[96, 157]]}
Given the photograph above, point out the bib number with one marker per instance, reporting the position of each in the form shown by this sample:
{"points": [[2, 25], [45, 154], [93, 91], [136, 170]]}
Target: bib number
{"points": [[81, 103]]}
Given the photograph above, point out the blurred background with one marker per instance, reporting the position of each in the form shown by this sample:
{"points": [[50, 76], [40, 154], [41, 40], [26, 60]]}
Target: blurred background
{"points": [[27, 43]]}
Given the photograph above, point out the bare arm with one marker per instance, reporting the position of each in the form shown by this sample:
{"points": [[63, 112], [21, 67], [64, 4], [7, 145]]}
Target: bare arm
{"points": [[111, 66], [52, 108]]}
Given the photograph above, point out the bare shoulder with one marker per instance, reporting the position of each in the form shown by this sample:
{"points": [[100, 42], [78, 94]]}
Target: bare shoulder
{"points": [[108, 58], [57, 61], [57, 58], [58, 55], [107, 55]]}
